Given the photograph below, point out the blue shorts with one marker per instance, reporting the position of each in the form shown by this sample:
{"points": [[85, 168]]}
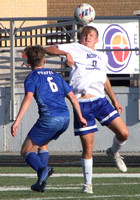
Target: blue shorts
{"points": [[46, 129], [94, 108]]}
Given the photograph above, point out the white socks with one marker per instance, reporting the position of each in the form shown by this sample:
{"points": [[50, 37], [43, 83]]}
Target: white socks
{"points": [[116, 146], [87, 165]]}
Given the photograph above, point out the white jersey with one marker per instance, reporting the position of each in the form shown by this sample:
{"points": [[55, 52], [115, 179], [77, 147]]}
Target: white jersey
{"points": [[88, 73]]}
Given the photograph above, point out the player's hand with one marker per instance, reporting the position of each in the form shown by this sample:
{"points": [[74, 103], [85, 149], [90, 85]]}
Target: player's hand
{"points": [[70, 61], [24, 56], [118, 107], [83, 122], [14, 128]]}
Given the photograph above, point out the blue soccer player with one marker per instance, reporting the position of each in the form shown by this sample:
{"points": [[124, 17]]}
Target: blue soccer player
{"points": [[49, 90]]}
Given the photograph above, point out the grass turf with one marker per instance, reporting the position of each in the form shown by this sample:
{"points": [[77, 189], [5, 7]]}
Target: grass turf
{"points": [[70, 187]]}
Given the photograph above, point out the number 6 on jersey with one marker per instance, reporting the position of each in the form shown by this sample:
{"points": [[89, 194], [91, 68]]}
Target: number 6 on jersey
{"points": [[52, 84]]}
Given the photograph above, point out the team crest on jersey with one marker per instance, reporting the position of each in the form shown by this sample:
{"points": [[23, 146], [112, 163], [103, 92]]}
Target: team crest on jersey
{"points": [[94, 61], [91, 55]]}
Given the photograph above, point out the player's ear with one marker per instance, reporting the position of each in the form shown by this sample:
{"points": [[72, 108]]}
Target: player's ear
{"points": [[97, 40]]}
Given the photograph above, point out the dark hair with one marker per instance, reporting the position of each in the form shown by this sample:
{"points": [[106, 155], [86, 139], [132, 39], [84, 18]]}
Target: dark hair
{"points": [[88, 29], [35, 55]]}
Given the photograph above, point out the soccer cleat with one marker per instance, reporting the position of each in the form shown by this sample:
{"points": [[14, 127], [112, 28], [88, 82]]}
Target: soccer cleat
{"points": [[118, 160], [44, 174], [87, 188], [50, 171]]}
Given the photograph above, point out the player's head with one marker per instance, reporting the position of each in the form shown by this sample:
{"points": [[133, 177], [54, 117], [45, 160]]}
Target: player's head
{"points": [[35, 56], [89, 36]]}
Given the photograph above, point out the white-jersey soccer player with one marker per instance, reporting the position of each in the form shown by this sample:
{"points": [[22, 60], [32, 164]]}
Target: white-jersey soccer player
{"points": [[89, 80], [89, 70]]}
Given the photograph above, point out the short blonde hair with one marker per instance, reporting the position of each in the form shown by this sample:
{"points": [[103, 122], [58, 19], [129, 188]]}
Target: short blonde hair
{"points": [[88, 29]]}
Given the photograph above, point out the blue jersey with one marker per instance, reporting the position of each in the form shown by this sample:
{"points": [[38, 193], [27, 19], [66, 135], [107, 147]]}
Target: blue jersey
{"points": [[49, 90]]}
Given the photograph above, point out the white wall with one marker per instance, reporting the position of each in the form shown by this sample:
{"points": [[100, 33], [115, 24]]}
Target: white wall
{"points": [[128, 97]]}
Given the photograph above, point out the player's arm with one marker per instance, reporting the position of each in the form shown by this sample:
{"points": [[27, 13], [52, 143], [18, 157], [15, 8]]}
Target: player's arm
{"points": [[53, 50], [112, 96], [76, 107], [23, 108]]}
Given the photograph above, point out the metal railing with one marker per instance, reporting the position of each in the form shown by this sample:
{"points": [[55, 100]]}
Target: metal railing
{"points": [[63, 31], [46, 34]]}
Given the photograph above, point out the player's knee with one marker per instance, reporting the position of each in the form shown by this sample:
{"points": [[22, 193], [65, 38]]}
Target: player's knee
{"points": [[88, 147], [23, 152], [87, 151], [125, 134]]}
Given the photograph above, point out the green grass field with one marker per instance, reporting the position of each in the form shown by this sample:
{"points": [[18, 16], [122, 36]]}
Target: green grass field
{"points": [[15, 183]]}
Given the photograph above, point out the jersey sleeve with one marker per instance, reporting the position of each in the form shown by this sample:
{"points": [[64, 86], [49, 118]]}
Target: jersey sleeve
{"points": [[69, 47], [29, 85]]}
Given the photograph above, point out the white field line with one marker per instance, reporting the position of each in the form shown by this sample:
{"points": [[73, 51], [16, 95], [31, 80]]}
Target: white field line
{"points": [[87, 197], [61, 187], [107, 175], [95, 184], [28, 188], [73, 186]]}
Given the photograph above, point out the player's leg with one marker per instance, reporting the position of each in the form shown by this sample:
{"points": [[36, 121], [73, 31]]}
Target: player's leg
{"points": [[121, 135], [87, 139], [108, 116], [87, 161], [43, 153], [87, 142], [28, 151], [119, 128]]}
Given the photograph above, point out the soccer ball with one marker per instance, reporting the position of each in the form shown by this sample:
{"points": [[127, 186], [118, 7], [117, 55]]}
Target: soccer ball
{"points": [[84, 13]]}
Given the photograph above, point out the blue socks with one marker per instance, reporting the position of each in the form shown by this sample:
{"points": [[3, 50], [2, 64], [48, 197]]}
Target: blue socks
{"points": [[44, 156], [33, 160], [37, 161]]}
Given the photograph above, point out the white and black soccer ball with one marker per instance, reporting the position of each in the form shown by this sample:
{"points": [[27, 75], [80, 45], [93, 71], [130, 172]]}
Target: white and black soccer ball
{"points": [[84, 13]]}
